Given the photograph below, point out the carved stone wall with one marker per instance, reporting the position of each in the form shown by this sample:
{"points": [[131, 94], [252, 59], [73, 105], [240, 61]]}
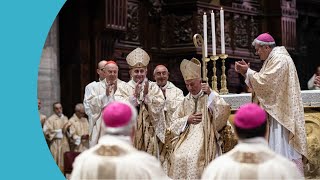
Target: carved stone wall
{"points": [[176, 30], [49, 71], [132, 35]]}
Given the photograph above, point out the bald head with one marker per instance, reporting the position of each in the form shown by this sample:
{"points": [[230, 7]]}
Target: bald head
{"points": [[161, 75], [100, 69], [160, 68], [102, 63]]}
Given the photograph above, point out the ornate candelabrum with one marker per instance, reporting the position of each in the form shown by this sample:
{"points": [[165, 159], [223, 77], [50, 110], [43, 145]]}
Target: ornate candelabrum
{"points": [[224, 89], [198, 41], [214, 58]]}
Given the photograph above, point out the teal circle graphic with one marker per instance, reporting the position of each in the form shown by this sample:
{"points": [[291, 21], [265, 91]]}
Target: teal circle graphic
{"points": [[24, 28]]}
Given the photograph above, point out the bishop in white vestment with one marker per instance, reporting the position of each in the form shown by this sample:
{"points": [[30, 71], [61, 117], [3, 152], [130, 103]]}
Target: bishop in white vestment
{"points": [[276, 89], [114, 157], [251, 158]]}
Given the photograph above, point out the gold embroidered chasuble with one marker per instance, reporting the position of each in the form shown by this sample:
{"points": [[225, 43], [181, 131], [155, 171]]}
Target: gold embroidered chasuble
{"points": [[150, 125], [173, 98], [115, 158], [58, 145], [78, 128], [251, 159], [198, 143], [42, 118], [276, 88]]}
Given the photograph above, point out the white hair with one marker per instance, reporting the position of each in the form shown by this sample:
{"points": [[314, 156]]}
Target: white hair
{"points": [[78, 107]]}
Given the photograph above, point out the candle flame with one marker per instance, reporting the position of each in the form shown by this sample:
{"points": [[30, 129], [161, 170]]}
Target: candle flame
{"points": [[221, 8]]}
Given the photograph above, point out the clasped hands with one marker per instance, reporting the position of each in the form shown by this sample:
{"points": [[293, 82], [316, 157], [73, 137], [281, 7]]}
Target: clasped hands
{"points": [[111, 86], [138, 89], [241, 67]]}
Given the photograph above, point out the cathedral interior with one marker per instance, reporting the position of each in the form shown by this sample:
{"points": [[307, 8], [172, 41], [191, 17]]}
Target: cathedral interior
{"points": [[85, 32]]}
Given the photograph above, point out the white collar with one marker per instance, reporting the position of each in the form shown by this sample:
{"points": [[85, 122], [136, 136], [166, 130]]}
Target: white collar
{"points": [[259, 140], [165, 86], [112, 139], [197, 95]]}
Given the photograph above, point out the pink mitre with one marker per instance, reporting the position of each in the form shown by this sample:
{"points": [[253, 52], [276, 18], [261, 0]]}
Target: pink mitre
{"points": [[117, 114], [250, 116], [265, 38]]}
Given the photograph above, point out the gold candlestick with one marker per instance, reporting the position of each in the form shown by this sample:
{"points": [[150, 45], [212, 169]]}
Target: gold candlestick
{"points": [[224, 89], [214, 58]]}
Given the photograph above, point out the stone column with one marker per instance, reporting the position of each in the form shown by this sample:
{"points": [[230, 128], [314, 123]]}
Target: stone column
{"points": [[49, 71]]}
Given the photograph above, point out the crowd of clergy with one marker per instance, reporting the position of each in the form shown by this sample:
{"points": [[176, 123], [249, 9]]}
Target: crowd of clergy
{"points": [[149, 130]]}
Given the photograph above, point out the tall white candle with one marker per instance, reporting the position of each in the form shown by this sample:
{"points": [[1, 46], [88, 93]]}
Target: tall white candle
{"points": [[223, 51], [213, 31], [205, 35]]}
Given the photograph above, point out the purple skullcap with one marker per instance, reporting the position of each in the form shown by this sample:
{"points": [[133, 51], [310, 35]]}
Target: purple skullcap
{"points": [[250, 116], [265, 38], [117, 114]]}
